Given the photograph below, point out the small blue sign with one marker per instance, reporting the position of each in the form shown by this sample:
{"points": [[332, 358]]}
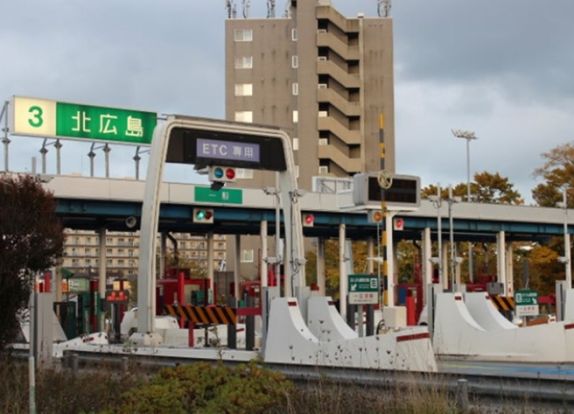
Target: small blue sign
{"points": [[228, 150]]}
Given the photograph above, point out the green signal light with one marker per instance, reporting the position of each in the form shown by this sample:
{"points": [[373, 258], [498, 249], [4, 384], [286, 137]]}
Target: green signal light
{"points": [[203, 215]]}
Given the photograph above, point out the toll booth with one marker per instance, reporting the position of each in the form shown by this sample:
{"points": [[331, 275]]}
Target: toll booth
{"points": [[185, 290], [116, 307], [81, 311]]}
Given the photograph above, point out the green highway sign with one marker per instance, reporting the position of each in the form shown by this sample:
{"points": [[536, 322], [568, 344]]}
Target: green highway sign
{"points": [[224, 196], [525, 297], [46, 118], [363, 289]]}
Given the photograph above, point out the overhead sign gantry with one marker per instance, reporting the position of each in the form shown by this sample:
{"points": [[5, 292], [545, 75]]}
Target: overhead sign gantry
{"points": [[214, 144]]}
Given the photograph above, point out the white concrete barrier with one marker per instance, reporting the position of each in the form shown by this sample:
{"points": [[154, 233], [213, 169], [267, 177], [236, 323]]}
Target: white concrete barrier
{"points": [[456, 333], [569, 305], [325, 322], [289, 341], [485, 313]]}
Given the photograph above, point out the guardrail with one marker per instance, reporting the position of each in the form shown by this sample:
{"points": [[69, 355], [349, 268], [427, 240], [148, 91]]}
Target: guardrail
{"points": [[483, 387]]}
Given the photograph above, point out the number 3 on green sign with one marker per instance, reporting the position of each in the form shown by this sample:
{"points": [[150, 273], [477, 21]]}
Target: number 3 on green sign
{"points": [[36, 119]]}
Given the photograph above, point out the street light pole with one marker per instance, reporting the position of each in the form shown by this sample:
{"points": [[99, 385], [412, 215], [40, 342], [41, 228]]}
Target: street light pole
{"points": [[567, 257], [451, 240], [437, 203], [468, 136]]}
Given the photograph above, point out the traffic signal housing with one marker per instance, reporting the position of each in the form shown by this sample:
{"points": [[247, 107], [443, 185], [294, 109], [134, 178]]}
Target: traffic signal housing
{"points": [[376, 216], [221, 174], [308, 220], [203, 215]]}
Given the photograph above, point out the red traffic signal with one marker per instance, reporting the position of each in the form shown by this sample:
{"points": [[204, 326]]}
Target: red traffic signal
{"points": [[308, 220]]}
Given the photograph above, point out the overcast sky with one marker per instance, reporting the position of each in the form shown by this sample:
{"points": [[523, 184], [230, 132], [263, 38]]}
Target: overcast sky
{"points": [[500, 68]]}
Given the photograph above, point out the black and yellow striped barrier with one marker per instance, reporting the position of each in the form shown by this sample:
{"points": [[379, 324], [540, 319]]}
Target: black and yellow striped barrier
{"points": [[503, 303], [204, 315]]}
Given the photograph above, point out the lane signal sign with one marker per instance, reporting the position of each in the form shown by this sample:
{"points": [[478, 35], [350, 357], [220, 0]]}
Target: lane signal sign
{"points": [[203, 215], [308, 220], [376, 216], [222, 174]]}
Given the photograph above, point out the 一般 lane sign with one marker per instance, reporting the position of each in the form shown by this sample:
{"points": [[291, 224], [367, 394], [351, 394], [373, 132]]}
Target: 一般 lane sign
{"points": [[47, 118]]}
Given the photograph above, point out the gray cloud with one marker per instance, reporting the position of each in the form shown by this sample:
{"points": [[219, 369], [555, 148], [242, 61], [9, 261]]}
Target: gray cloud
{"points": [[523, 47]]}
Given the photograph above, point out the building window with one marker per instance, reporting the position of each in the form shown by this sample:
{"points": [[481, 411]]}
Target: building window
{"points": [[295, 62], [244, 62], [296, 171], [295, 117], [244, 89], [295, 88], [295, 144], [243, 35], [244, 116], [247, 256], [294, 35]]}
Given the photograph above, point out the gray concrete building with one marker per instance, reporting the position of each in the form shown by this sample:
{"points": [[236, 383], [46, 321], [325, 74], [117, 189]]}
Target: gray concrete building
{"points": [[324, 78]]}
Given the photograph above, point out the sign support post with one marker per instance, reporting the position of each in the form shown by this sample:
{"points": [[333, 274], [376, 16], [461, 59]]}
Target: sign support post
{"points": [[5, 139]]}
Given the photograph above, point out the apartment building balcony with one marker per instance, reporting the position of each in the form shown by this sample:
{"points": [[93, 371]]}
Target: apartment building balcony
{"points": [[348, 136], [331, 14], [348, 80], [326, 39], [325, 94], [350, 165]]}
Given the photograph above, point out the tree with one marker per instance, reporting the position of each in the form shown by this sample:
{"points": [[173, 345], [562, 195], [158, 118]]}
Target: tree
{"points": [[31, 239], [332, 264], [558, 172], [196, 267], [486, 188]]}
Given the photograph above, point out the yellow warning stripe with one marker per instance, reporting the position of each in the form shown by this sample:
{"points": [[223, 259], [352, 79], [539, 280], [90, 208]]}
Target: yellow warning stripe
{"points": [[231, 315], [504, 303], [204, 315]]}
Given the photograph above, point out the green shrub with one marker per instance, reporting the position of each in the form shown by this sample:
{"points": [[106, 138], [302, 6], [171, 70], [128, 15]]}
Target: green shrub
{"points": [[205, 388]]}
